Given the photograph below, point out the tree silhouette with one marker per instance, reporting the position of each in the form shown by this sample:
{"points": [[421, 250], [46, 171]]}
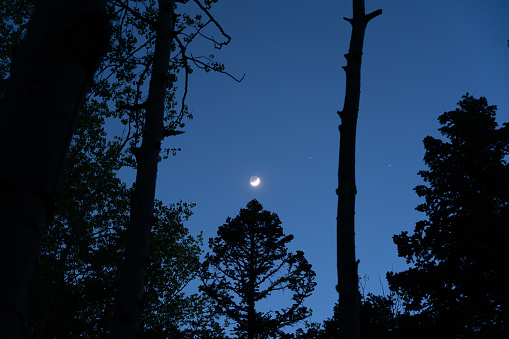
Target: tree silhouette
{"points": [[49, 78], [249, 262], [128, 313], [458, 279], [146, 43], [85, 300], [154, 32], [91, 210], [346, 262], [380, 317]]}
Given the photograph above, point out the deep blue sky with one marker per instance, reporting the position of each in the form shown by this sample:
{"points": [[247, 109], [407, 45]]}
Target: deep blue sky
{"points": [[280, 123]]}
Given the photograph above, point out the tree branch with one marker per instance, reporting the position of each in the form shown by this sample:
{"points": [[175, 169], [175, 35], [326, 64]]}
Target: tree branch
{"points": [[134, 107], [221, 44], [135, 14], [372, 15], [171, 132], [202, 65], [186, 82]]}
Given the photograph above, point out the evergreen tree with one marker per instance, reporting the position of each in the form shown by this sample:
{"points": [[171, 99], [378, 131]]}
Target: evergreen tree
{"points": [[458, 279], [248, 262]]}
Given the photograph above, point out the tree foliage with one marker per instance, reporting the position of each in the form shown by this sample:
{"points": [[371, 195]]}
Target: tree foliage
{"points": [[380, 316], [85, 301], [120, 87], [13, 26], [249, 261], [458, 254]]}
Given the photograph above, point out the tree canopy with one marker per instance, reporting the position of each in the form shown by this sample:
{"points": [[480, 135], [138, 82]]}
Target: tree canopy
{"points": [[120, 90], [458, 254], [249, 261], [85, 300]]}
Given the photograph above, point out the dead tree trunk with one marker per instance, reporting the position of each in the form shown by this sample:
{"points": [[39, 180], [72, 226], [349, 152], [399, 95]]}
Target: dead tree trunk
{"points": [[50, 76], [349, 297], [128, 313]]}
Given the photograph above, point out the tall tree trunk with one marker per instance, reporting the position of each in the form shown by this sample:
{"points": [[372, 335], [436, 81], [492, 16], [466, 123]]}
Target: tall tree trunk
{"points": [[251, 311], [50, 76], [128, 313], [349, 297]]}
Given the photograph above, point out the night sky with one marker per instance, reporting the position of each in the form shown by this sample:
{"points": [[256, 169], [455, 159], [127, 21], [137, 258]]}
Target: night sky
{"points": [[280, 122]]}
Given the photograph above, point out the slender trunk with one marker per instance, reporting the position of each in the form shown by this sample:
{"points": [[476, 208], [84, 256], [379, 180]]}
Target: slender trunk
{"points": [[251, 312], [349, 297], [128, 312], [50, 76]]}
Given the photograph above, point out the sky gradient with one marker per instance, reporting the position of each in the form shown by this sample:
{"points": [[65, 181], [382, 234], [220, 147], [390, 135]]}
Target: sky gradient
{"points": [[280, 122]]}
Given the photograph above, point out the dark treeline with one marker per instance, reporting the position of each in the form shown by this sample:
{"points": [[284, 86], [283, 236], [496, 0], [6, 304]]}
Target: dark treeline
{"points": [[455, 286]]}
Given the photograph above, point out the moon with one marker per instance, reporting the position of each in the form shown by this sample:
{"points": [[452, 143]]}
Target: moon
{"points": [[254, 181]]}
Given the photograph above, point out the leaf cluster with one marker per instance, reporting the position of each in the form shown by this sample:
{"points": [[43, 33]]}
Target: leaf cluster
{"points": [[13, 24]]}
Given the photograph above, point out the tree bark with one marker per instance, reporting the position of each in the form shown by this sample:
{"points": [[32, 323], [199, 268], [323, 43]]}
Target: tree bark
{"points": [[128, 313], [349, 297], [50, 76]]}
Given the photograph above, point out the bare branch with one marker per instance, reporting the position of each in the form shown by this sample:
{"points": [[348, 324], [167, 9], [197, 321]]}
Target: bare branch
{"points": [[134, 107], [186, 83], [134, 13], [372, 15], [220, 44], [171, 132], [216, 43], [215, 67]]}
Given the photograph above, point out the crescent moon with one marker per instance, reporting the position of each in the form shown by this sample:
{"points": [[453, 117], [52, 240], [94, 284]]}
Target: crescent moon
{"points": [[254, 181]]}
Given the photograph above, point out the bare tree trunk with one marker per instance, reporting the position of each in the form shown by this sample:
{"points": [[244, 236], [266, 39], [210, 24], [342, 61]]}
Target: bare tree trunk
{"points": [[349, 297], [128, 313], [50, 76]]}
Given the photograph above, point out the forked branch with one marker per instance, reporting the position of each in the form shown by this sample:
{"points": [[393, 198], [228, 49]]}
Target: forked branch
{"points": [[218, 45]]}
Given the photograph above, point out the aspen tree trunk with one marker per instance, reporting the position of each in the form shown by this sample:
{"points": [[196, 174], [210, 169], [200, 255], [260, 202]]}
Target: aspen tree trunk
{"points": [[128, 312], [50, 76], [349, 297]]}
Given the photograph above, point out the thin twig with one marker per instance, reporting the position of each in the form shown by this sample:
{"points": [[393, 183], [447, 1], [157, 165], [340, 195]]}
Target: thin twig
{"points": [[135, 14], [220, 44], [205, 66], [186, 68]]}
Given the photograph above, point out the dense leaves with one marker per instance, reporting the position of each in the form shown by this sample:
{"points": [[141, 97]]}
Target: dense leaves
{"points": [[249, 261], [458, 254], [85, 301]]}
